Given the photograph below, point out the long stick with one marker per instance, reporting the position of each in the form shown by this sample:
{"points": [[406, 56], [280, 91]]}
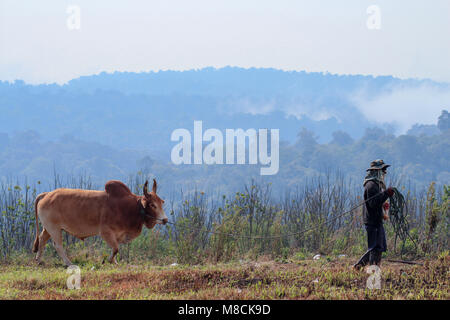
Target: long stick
{"points": [[406, 262]]}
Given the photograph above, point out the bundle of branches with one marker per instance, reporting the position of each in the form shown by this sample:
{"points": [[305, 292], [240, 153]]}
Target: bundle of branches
{"points": [[398, 219]]}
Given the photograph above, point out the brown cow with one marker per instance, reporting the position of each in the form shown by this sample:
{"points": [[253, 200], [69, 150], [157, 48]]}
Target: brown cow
{"points": [[116, 214]]}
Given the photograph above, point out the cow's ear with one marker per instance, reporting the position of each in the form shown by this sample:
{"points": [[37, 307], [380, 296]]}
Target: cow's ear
{"points": [[154, 186], [145, 191], [143, 202]]}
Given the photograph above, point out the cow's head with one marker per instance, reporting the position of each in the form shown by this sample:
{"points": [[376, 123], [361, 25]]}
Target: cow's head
{"points": [[153, 206]]}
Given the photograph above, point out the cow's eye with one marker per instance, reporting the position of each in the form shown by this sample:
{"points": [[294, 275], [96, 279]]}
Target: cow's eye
{"points": [[153, 206]]}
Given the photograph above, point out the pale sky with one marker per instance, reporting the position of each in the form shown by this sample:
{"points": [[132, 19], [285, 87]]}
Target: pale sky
{"points": [[37, 46]]}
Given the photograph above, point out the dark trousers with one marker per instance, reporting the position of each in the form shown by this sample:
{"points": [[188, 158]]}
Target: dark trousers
{"points": [[376, 243]]}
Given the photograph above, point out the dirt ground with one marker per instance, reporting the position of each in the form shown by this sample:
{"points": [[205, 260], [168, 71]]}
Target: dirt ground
{"points": [[306, 279]]}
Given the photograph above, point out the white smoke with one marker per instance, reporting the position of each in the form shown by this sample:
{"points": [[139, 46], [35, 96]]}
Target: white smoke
{"points": [[404, 106], [397, 107], [313, 110]]}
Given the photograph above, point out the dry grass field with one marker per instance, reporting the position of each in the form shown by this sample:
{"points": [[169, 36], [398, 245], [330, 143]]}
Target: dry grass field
{"points": [[306, 279]]}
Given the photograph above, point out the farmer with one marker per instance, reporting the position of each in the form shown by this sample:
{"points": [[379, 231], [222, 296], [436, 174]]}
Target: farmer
{"points": [[375, 212]]}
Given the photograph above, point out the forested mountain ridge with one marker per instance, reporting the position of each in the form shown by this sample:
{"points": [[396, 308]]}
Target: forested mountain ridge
{"points": [[111, 125], [125, 109], [416, 160]]}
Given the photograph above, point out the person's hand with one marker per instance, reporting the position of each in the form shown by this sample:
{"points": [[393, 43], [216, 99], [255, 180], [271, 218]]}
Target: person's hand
{"points": [[386, 206], [390, 192], [385, 217]]}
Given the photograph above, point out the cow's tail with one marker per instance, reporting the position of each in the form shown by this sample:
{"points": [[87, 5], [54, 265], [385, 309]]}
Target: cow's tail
{"points": [[36, 241]]}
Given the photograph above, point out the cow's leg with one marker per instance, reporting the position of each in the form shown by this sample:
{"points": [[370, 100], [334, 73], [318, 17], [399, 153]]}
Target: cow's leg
{"points": [[57, 242], [111, 240], [43, 238]]}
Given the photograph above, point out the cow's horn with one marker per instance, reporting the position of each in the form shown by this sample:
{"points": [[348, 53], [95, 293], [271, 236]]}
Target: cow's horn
{"points": [[154, 186], [145, 188]]}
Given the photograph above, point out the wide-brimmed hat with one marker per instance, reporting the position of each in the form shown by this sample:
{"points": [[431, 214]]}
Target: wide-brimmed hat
{"points": [[378, 165]]}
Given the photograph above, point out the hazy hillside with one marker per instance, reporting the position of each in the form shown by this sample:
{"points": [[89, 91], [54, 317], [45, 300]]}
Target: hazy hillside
{"points": [[416, 161], [112, 125], [140, 110]]}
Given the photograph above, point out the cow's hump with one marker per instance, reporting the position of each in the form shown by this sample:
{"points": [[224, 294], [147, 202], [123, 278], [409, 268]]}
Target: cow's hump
{"points": [[117, 188]]}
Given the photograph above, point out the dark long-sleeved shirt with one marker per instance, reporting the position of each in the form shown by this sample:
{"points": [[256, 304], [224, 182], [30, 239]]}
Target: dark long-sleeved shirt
{"points": [[373, 214]]}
